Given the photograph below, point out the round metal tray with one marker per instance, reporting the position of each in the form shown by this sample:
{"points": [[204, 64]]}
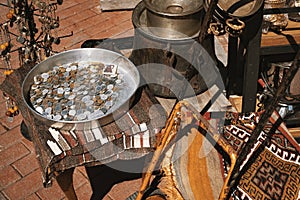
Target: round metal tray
{"points": [[126, 68]]}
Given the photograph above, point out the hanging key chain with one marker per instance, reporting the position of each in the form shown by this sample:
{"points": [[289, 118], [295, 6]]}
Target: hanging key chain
{"points": [[11, 108], [5, 49], [8, 70], [4, 40]]}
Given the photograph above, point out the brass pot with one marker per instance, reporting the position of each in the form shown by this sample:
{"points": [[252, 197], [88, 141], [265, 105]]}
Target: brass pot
{"points": [[174, 18]]}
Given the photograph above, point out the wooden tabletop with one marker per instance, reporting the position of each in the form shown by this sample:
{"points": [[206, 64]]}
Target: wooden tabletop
{"points": [[278, 39]]}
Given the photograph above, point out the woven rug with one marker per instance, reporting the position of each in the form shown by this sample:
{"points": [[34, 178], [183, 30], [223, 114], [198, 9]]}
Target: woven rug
{"points": [[273, 170]]}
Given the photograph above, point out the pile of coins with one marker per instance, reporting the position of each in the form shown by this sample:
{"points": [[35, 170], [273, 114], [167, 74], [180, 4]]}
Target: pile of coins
{"points": [[76, 91]]}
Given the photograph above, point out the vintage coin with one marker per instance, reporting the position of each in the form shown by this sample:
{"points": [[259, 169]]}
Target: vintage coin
{"points": [[81, 117], [76, 91], [72, 112]]}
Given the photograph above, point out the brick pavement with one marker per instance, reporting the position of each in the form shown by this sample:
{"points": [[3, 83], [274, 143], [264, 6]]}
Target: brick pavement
{"points": [[20, 176]]}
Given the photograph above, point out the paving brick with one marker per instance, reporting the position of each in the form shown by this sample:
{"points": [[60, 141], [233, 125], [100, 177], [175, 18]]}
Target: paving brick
{"points": [[63, 25], [92, 2], [86, 26], [103, 15], [73, 10], [67, 10], [2, 129], [85, 4], [10, 137], [127, 33], [102, 35], [74, 20], [77, 41], [66, 5], [121, 28], [79, 179], [125, 189], [97, 9], [25, 187], [8, 175], [2, 107], [102, 26], [28, 144], [9, 125], [101, 32], [83, 16], [12, 154], [107, 197], [2, 78], [81, 169], [32, 197], [52, 192], [81, 185], [122, 16], [27, 164], [84, 192]]}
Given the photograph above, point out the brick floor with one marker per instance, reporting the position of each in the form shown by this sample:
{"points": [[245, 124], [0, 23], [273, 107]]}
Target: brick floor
{"points": [[20, 175]]}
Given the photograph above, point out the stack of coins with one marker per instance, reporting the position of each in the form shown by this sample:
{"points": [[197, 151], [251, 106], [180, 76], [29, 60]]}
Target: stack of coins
{"points": [[76, 91]]}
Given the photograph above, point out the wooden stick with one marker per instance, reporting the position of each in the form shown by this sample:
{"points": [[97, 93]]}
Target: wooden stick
{"points": [[167, 135]]}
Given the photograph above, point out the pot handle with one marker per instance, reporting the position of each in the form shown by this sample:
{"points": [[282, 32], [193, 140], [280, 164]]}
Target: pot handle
{"points": [[234, 27]]}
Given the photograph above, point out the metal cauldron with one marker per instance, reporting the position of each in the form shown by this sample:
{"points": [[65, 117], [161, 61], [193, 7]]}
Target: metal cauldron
{"points": [[121, 105], [181, 16], [150, 55]]}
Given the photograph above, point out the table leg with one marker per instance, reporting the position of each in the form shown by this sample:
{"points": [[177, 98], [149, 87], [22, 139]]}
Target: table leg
{"points": [[65, 181], [251, 74]]}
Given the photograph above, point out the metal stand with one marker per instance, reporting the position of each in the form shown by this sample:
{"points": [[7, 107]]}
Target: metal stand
{"points": [[252, 63], [282, 53], [251, 74]]}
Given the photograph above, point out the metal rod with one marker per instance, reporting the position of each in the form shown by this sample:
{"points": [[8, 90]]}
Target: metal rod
{"points": [[268, 11]]}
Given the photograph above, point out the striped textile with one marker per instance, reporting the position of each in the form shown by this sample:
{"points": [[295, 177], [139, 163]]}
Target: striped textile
{"points": [[138, 136], [131, 136]]}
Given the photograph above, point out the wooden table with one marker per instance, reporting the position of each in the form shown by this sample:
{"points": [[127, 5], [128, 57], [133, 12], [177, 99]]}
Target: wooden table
{"points": [[272, 39], [282, 47]]}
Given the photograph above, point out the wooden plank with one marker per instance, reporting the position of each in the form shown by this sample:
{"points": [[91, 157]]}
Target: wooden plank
{"points": [[107, 5], [273, 39]]}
